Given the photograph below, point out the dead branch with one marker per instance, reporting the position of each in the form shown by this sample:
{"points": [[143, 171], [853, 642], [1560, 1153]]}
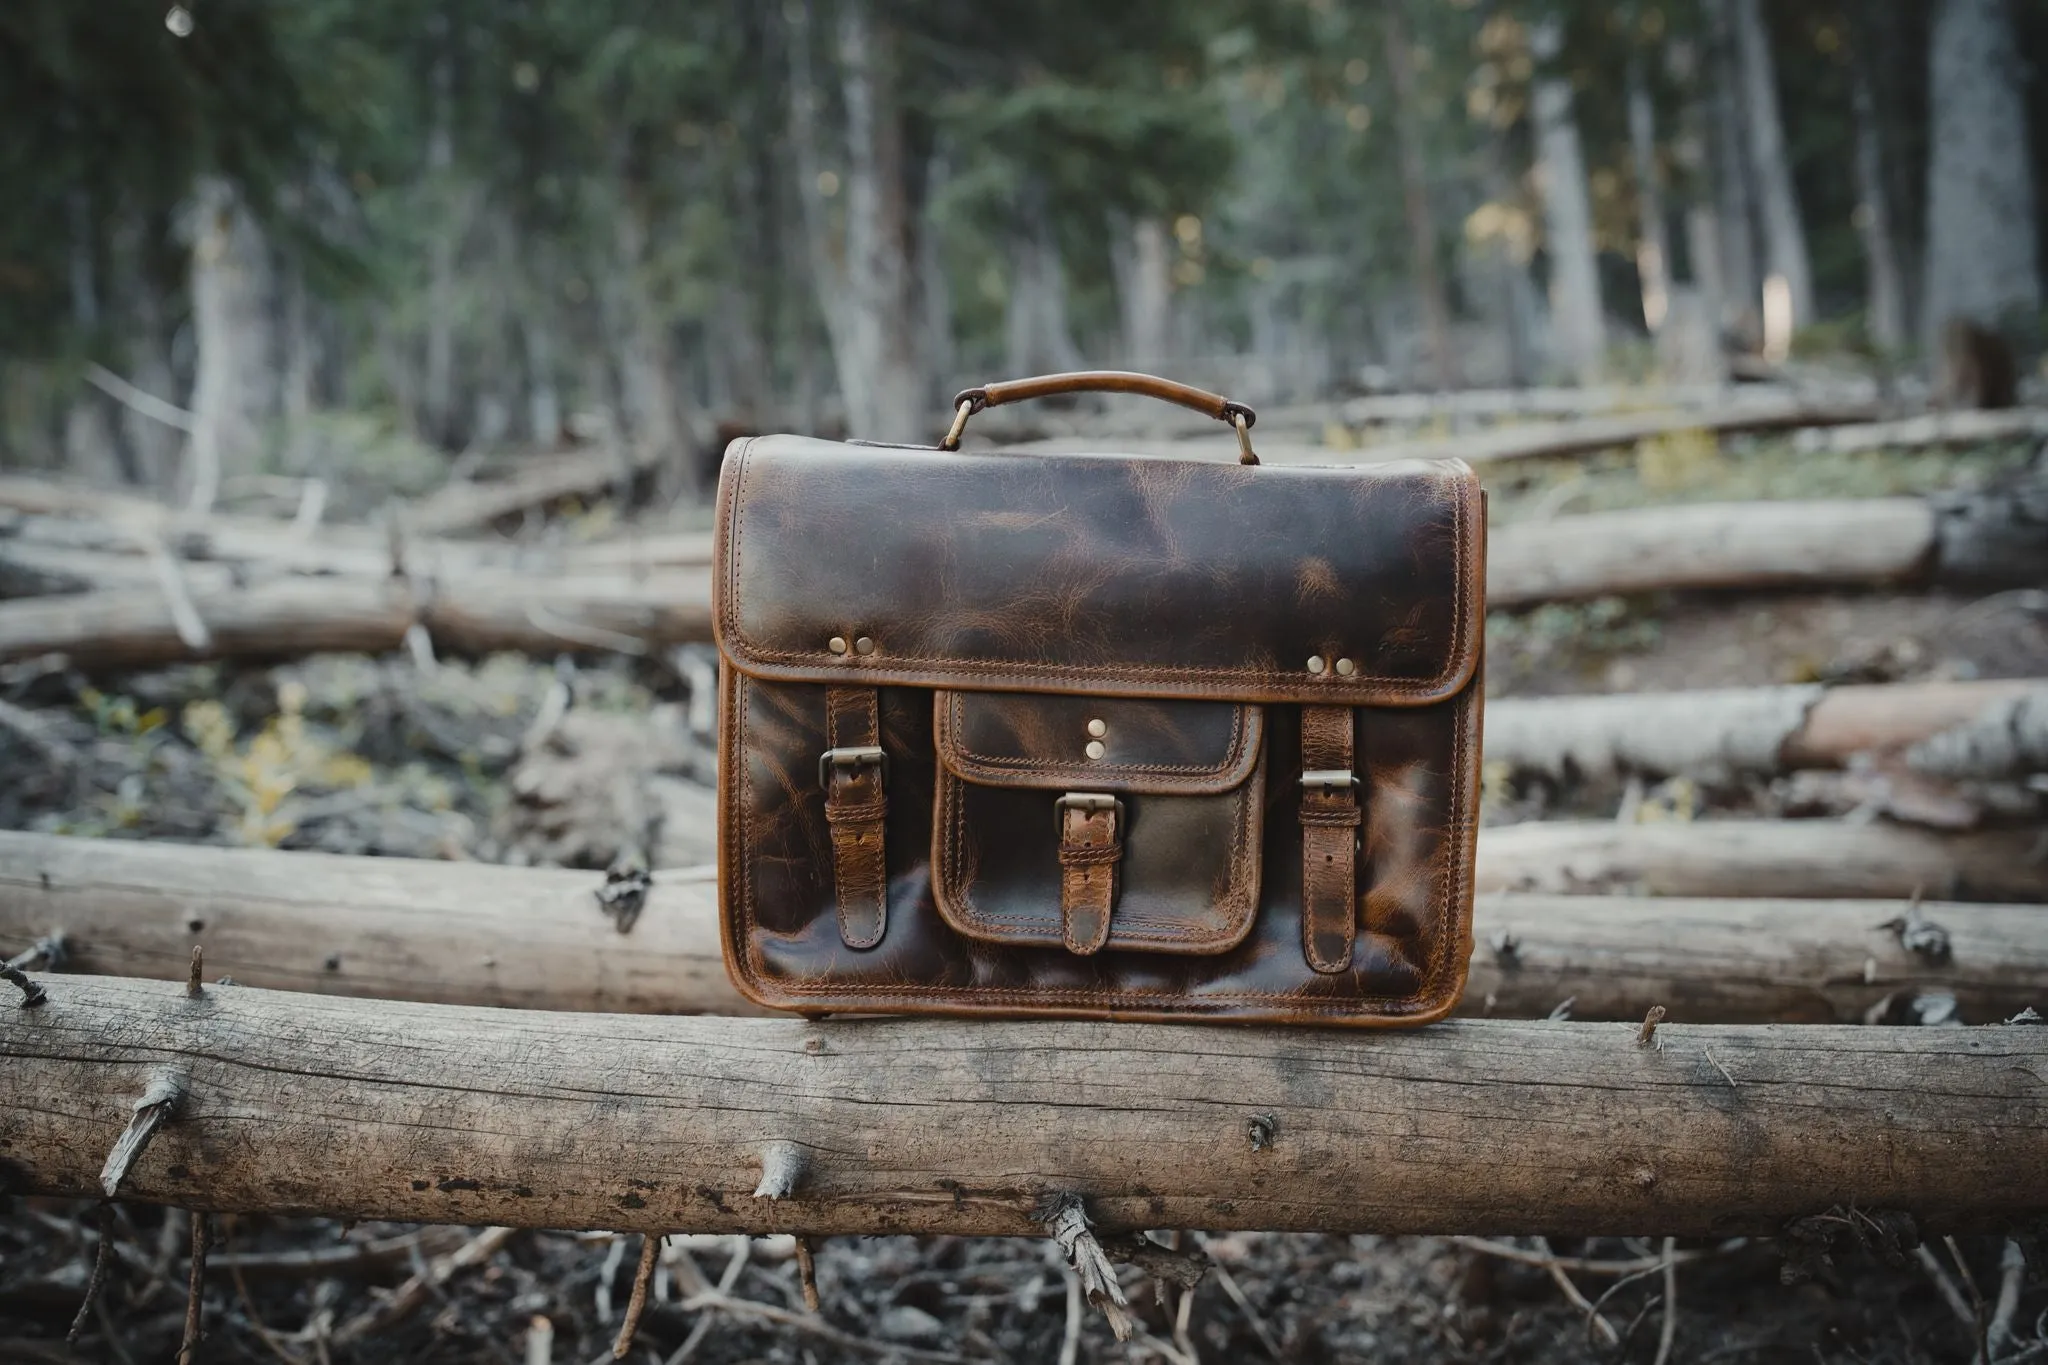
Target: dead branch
{"points": [[436, 1114], [195, 1289], [156, 1107], [643, 1278], [477, 1251], [411, 929]]}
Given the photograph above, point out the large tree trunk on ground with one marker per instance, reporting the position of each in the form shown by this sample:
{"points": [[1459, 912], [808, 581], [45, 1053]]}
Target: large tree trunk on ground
{"points": [[1759, 730], [1997, 537], [122, 628], [439, 1114], [1930, 429], [234, 392], [1429, 279], [1606, 433], [1577, 325], [1777, 203], [467, 934], [1982, 252], [1800, 859]]}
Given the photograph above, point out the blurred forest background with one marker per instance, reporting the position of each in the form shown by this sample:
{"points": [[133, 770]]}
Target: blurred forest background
{"points": [[359, 238]]}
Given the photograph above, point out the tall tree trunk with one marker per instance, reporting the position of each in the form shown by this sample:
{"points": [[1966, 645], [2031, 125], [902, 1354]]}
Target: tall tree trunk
{"points": [[1141, 253], [655, 409], [145, 354], [234, 389], [1777, 203], [1578, 328], [1429, 279], [1885, 304], [889, 398], [1741, 281], [1690, 345], [934, 296], [1653, 240], [91, 451], [438, 394], [1982, 258], [1037, 337], [301, 374]]}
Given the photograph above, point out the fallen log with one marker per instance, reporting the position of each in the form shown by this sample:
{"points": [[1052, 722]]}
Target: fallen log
{"points": [[574, 474], [1795, 859], [439, 1114], [128, 628], [1586, 401], [1587, 434], [472, 934], [1966, 427], [1743, 730]]}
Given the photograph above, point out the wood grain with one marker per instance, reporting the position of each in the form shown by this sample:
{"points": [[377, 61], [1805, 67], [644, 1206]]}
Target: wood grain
{"points": [[310, 1105]]}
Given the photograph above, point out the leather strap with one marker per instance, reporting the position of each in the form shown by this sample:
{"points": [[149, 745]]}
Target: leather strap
{"points": [[1091, 845], [856, 802], [1329, 838]]}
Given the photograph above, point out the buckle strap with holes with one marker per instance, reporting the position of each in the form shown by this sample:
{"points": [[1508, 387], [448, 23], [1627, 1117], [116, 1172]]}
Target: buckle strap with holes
{"points": [[1091, 827], [855, 775], [1330, 819]]}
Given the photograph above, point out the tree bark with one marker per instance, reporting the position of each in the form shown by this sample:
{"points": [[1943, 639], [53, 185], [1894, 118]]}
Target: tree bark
{"points": [[444, 235], [124, 628], [655, 408], [471, 934], [1605, 433], [1749, 730], [449, 1115], [1037, 337], [234, 390], [1885, 301], [1955, 428], [1142, 255], [1777, 203], [887, 400], [1434, 302], [1797, 859], [1982, 255], [1653, 238], [1578, 326], [1742, 282]]}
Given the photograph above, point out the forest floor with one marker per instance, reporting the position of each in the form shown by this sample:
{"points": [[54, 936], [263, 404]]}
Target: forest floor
{"points": [[478, 760]]}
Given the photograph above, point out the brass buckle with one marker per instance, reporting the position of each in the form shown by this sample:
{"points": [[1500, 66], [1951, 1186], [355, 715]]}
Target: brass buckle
{"points": [[1083, 801], [1329, 779], [851, 758]]}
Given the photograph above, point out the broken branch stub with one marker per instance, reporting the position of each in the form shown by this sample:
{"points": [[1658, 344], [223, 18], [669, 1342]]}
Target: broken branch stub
{"points": [[783, 1167], [156, 1107], [1065, 1220]]}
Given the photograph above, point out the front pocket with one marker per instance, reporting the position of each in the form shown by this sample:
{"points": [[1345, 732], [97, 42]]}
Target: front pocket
{"points": [[1052, 808]]}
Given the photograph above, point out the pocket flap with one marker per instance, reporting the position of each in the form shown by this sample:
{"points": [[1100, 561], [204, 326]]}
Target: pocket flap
{"points": [[1120, 744], [1188, 784]]}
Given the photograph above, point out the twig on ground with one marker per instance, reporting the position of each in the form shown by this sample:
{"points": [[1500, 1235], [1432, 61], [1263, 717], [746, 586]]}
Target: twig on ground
{"points": [[410, 1295], [35, 732], [1182, 1317], [693, 1281], [269, 1338], [1181, 1269], [331, 1260], [103, 1219], [1670, 1330], [32, 993], [1244, 1304], [1980, 1317], [1646, 1036], [614, 1257], [156, 1107], [807, 1274], [817, 1327], [195, 1289], [1722, 1069], [1584, 1266], [139, 400], [1070, 1338], [1579, 1300], [2012, 1267], [1065, 1219], [650, 1257], [1950, 1294]]}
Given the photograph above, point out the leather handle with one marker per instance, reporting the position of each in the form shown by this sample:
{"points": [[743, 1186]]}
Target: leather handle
{"points": [[970, 401]]}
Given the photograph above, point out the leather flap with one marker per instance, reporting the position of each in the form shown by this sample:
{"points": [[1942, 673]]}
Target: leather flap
{"points": [[1118, 744], [1104, 575]]}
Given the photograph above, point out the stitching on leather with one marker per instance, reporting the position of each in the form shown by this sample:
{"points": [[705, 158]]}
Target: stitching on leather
{"points": [[951, 746], [1424, 1000], [1288, 683]]}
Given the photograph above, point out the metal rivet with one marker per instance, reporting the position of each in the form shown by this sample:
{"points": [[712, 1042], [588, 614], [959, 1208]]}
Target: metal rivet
{"points": [[1095, 748], [1346, 668], [837, 644], [863, 645], [1097, 728], [1316, 664]]}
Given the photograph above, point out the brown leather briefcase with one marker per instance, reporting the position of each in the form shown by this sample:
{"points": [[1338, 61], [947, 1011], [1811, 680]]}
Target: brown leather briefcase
{"points": [[1099, 736]]}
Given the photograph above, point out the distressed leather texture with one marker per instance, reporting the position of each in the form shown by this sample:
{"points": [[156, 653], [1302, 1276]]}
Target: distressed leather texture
{"points": [[1097, 682]]}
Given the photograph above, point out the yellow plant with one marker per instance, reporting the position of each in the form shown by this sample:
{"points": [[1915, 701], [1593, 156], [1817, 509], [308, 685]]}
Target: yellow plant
{"points": [[263, 774], [1679, 459]]}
